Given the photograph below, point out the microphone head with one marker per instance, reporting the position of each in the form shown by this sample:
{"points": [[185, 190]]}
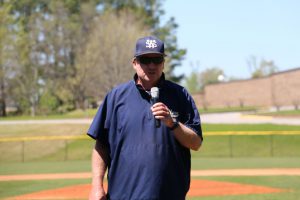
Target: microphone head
{"points": [[154, 92]]}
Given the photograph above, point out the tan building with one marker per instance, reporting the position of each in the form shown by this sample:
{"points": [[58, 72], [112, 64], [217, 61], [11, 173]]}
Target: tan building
{"points": [[280, 89]]}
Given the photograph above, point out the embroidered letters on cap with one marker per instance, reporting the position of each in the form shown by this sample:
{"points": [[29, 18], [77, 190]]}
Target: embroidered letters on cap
{"points": [[151, 44]]}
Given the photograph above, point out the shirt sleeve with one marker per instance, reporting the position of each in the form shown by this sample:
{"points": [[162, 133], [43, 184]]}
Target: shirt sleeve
{"points": [[193, 117], [99, 127]]}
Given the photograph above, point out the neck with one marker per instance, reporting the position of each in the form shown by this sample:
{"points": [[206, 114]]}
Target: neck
{"points": [[145, 84]]}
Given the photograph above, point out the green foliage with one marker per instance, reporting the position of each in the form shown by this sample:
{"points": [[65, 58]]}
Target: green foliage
{"points": [[261, 68], [151, 12], [51, 37], [192, 83], [48, 103], [210, 76]]}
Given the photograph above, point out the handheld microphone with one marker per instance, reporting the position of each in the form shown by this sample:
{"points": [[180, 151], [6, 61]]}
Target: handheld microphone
{"points": [[154, 99]]}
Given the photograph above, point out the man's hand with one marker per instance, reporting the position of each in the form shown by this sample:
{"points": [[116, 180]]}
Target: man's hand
{"points": [[184, 135], [97, 194], [162, 112]]}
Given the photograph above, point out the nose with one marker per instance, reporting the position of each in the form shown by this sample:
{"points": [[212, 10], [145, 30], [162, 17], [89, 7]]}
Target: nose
{"points": [[151, 65]]}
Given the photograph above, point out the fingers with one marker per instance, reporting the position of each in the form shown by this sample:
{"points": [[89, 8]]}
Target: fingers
{"points": [[160, 111]]}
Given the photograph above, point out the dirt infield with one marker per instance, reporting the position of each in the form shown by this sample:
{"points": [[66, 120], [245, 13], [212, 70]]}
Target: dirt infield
{"points": [[198, 187]]}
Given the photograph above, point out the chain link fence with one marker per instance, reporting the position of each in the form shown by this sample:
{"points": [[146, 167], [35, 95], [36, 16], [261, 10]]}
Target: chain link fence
{"points": [[80, 147]]}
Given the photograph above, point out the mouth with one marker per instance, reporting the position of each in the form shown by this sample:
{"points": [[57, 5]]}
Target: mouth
{"points": [[151, 72]]}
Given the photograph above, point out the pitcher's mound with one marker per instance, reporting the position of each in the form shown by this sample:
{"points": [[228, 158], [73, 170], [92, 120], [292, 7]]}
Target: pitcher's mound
{"points": [[198, 188]]}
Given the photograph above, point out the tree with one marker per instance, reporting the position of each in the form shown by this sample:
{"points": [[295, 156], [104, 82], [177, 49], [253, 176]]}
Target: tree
{"points": [[5, 50], [210, 76], [192, 82], [150, 12], [52, 43], [261, 68], [105, 63]]}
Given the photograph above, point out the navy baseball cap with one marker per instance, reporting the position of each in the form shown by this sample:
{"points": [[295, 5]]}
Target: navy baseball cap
{"points": [[149, 44]]}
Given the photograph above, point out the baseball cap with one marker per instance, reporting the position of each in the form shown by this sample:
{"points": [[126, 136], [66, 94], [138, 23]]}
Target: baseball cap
{"points": [[149, 44]]}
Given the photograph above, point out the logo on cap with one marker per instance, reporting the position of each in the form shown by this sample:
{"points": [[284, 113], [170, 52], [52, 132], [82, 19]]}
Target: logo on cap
{"points": [[151, 44]]}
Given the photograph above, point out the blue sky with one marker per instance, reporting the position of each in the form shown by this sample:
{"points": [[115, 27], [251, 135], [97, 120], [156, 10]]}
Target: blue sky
{"points": [[225, 33]]}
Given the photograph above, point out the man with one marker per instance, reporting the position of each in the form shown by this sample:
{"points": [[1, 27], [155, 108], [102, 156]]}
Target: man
{"points": [[144, 160]]}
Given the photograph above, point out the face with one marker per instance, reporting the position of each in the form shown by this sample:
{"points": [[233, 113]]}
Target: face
{"points": [[149, 68]]}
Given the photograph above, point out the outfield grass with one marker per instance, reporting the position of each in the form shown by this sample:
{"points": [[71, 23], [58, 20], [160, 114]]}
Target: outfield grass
{"points": [[213, 146], [197, 163], [88, 113], [283, 113], [290, 183], [14, 188], [245, 163], [249, 127], [250, 146], [23, 130]]}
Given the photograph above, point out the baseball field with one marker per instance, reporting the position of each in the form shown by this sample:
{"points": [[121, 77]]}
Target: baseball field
{"points": [[249, 162]]}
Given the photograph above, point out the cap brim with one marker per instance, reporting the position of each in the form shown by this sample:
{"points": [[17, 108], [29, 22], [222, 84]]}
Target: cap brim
{"points": [[150, 52]]}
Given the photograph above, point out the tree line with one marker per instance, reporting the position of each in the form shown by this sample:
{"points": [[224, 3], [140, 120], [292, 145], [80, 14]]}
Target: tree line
{"points": [[60, 55], [258, 68]]}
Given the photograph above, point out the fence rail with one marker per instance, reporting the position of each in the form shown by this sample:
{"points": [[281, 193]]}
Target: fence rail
{"points": [[216, 144]]}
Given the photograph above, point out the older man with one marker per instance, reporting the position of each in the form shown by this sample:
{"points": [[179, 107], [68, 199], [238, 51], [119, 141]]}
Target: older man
{"points": [[145, 159]]}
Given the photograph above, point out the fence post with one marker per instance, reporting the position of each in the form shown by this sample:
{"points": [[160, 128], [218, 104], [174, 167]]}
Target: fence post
{"points": [[66, 150], [23, 151], [230, 146], [271, 145]]}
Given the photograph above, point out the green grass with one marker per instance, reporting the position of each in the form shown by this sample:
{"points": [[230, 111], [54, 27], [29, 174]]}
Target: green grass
{"points": [[219, 146], [45, 167], [249, 127], [22, 130], [250, 146], [89, 113], [213, 146], [11, 130], [290, 183], [217, 152], [38, 167], [14, 188], [283, 113], [245, 163]]}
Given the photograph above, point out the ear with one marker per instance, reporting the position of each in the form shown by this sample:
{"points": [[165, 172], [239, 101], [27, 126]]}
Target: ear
{"points": [[134, 63]]}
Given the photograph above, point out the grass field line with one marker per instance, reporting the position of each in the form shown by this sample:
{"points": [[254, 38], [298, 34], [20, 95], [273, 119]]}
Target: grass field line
{"points": [[252, 133], [45, 137], [83, 137], [194, 173]]}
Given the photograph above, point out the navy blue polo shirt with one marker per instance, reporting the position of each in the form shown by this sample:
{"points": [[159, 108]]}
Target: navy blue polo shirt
{"points": [[145, 162]]}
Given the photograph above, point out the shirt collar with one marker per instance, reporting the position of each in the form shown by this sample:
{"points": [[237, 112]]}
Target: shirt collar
{"points": [[159, 84], [146, 94]]}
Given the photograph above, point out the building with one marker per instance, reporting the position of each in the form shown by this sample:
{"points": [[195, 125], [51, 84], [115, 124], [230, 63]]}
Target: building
{"points": [[278, 90]]}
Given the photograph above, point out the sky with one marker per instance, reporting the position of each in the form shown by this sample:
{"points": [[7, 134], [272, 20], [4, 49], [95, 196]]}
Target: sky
{"points": [[226, 33]]}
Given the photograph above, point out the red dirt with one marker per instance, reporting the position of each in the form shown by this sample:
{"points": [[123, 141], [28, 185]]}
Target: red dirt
{"points": [[198, 188]]}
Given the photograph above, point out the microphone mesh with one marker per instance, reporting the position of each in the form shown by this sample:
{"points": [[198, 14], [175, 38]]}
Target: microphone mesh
{"points": [[154, 92]]}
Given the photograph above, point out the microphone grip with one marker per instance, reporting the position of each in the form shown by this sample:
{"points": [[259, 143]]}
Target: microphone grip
{"points": [[157, 123]]}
